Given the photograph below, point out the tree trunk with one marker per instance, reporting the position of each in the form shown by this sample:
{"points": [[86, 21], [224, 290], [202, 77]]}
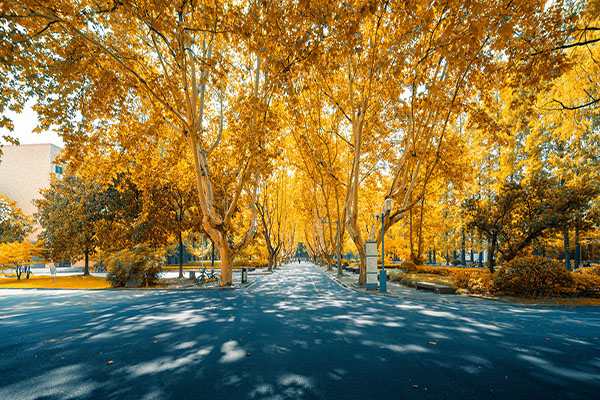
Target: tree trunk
{"points": [[577, 248], [420, 232], [328, 259], [270, 264], [410, 235], [566, 248], [212, 255], [463, 258], [227, 257], [492, 251], [362, 275], [86, 268], [180, 256]]}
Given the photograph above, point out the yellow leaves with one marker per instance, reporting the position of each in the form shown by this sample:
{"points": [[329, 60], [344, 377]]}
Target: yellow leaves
{"points": [[18, 253]]}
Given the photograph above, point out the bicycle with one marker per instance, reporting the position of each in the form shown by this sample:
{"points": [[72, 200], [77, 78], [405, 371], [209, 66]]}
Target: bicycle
{"points": [[205, 277]]}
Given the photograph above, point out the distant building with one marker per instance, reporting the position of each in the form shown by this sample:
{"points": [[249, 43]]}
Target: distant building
{"points": [[24, 170]]}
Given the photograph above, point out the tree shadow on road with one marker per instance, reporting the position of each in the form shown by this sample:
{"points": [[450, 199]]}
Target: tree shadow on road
{"points": [[295, 335]]}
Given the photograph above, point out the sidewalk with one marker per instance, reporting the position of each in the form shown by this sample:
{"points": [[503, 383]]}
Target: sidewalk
{"points": [[349, 281]]}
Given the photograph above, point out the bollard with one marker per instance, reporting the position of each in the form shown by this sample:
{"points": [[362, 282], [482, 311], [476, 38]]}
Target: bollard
{"points": [[382, 281], [192, 274], [244, 275]]}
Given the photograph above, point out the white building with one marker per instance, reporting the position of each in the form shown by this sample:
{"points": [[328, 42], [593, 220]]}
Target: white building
{"points": [[24, 170]]}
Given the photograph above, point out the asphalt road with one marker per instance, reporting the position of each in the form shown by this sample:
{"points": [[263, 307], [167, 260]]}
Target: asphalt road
{"points": [[294, 335]]}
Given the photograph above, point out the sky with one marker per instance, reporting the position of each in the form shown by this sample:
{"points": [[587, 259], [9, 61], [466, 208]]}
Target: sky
{"points": [[24, 124]]}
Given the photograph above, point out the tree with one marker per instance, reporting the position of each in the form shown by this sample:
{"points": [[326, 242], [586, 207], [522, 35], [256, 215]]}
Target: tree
{"points": [[268, 206], [189, 64], [374, 87], [19, 255], [14, 225], [170, 206], [68, 213], [522, 212]]}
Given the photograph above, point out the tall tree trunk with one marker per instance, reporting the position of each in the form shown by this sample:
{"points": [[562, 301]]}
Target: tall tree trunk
{"points": [[566, 248], [492, 251], [463, 259], [212, 255], [227, 257], [420, 234], [410, 235], [180, 256], [86, 268], [577, 247], [271, 262]]}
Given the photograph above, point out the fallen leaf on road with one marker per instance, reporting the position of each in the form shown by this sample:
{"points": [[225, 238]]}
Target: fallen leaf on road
{"points": [[154, 337], [546, 338], [110, 362], [382, 347], [434, 343], [247, 354], [156, 341], [52, 340], [416, 386]]}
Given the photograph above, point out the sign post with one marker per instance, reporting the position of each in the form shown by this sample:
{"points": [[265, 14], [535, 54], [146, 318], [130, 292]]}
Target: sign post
{"points": [[53, 272], [371, 248]]}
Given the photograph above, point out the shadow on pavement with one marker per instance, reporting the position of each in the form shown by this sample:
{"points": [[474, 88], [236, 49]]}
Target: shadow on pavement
{"points": [[294, 335]]}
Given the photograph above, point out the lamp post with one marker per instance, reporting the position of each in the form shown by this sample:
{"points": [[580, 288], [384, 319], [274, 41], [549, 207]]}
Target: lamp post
{"points": [[339, 263], [386, 211]]}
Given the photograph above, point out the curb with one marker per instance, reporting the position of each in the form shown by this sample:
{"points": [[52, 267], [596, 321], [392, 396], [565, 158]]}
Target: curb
{"points": [[354, 288], [448, 300]]}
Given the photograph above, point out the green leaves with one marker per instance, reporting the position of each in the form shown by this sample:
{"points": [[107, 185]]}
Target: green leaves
{"points": [[14, 225]]}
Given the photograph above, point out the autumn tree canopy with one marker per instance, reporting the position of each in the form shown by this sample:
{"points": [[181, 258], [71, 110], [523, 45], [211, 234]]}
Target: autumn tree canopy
{"points": [[354, 102]]}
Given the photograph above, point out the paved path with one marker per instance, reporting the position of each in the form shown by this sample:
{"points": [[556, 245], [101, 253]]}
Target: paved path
{"points": [[294, 335]]}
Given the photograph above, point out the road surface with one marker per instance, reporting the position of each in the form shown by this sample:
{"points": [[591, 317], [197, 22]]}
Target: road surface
{"points": [[295, 334]]}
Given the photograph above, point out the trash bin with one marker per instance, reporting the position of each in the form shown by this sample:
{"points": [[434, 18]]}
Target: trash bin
{"points": [[244, 275]]}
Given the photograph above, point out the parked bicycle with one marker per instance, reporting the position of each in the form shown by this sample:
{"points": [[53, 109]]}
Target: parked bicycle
{"points": [[205, 277]]}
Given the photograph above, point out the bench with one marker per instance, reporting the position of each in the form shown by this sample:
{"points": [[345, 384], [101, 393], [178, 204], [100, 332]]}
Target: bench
{"points": [[434, 287]]}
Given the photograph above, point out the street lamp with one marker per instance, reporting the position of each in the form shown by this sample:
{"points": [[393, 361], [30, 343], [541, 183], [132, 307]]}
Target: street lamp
{"points": [[386, 211], [339, 263]]}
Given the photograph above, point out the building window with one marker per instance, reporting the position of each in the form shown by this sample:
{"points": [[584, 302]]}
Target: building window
{"points": [[58, 169]]}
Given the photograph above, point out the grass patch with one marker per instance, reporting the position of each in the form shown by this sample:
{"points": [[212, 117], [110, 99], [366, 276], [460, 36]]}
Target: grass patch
{"points": [[411, 280], [62, 282]]}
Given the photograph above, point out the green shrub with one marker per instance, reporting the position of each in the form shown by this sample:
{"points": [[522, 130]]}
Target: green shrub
{"points": [[456, 262], [408, 266], [140, 261], [534, 277]]}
